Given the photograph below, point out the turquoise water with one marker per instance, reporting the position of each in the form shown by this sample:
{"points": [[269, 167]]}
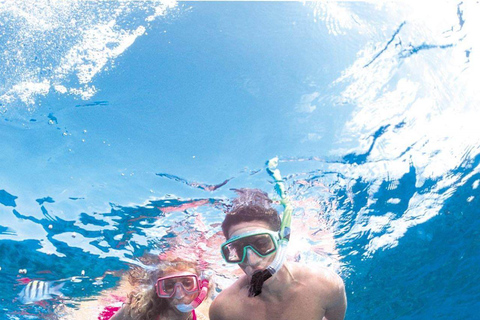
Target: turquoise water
{"points": [[124, 127]]}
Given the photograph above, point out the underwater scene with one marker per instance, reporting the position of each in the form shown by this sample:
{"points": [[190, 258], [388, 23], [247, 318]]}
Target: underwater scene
{"points": [[127, 126]]}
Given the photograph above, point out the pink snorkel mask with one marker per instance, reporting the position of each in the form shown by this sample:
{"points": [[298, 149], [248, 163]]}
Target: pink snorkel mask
{"points": [[167, 287]]}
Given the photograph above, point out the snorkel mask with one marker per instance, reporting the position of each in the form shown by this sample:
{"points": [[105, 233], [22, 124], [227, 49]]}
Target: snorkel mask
{"points": [[262, 242], [167, 287]]}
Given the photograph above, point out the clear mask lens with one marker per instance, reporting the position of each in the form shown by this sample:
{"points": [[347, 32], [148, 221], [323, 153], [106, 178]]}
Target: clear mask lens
{"points": [[234, 251], [167, 286]]}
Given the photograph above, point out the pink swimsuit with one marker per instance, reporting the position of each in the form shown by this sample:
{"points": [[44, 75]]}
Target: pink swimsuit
{"points": [[109, 312]]}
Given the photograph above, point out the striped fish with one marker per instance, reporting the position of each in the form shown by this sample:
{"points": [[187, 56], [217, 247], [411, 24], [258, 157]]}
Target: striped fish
{"points": [[37, 290]]}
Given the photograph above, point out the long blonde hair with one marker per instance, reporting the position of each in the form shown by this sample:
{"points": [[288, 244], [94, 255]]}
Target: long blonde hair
{"points": [[143, 302]]}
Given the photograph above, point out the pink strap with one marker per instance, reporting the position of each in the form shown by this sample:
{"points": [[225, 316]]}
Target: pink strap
{"points": [[194, 316]]}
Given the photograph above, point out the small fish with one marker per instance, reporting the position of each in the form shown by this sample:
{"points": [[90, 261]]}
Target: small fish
{"points": [[37, 290]]}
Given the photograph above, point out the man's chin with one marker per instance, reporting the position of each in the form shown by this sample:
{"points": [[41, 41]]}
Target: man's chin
{"points": [[249, 271]]}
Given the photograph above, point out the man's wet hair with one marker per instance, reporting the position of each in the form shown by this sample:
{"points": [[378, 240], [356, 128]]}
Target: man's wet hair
{"points": [[251, 205]]}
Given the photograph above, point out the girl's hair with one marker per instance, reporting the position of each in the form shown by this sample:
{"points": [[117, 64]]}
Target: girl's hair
{"points": [[143, 302]]}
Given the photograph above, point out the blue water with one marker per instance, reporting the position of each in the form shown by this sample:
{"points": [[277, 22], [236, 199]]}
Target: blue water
{"points": [[124, 127]]}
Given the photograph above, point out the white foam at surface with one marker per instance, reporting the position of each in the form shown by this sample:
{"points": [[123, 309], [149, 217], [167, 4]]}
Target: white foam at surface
{"points": [[394, 200], [338, 18], [89, 57], [64, 44], [60, 88], [434, 105], [26, 91], [475, 184]]}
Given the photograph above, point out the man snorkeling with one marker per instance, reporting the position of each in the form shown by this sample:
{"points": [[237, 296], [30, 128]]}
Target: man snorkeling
{"points": [[271, 288]]}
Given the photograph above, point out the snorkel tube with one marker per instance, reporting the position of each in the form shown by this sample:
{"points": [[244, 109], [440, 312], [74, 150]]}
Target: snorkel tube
{"points": [[198, 300], [259, 277]]}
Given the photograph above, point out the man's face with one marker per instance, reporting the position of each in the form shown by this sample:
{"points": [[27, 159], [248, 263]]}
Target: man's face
{"points": [[252, 262]]}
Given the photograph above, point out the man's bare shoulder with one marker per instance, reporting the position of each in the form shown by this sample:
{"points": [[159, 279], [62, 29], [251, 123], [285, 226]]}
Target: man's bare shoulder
{"points": [[316, 274], [327, 286], [217, 309], [324, 281], [222, 307]]}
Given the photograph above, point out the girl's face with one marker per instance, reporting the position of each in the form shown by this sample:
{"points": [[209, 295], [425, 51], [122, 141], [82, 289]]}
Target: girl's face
{"points": [[184, 288]]}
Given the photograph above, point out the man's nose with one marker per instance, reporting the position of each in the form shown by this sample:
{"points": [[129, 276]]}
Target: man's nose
{"points": [[251, 257]]}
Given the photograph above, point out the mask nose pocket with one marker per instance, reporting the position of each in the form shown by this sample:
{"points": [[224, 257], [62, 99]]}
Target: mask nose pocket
{"points": [[179, 291], [251, 257]]}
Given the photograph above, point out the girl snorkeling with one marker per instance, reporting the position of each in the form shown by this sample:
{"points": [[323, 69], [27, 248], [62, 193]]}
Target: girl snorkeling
{"points": [[166, 290]]}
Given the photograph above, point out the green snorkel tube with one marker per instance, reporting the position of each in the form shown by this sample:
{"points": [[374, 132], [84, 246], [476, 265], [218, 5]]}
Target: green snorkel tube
{"points": [[259, 277]]}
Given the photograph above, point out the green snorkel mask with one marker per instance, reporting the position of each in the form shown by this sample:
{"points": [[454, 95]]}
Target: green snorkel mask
{"points": [[262, 242], [259, 277]]}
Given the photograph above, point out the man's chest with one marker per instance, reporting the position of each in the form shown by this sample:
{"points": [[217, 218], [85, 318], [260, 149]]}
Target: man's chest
{"points": [[300, 308]]}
